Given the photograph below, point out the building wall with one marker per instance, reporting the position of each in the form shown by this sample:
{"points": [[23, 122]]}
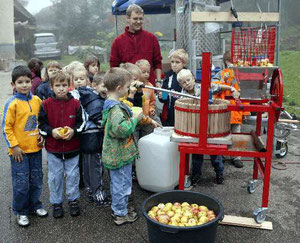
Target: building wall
{"points": [[7, 36]]}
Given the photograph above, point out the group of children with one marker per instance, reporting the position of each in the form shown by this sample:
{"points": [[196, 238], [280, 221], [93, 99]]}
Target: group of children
{"points": [[71, 117], [86, 119]]}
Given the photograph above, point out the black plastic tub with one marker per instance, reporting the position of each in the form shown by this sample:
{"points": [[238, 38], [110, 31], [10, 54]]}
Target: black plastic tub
{"points": [[205, 233]]}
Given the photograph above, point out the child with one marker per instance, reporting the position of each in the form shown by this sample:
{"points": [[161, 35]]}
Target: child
{"points": [[60, 122], [119, 146], [178, 59], [24, 147], [35, 65], [91, 139], [149, 108], [187, 81], [44, 90], [226, 77], [98, 85], [92, 65]]}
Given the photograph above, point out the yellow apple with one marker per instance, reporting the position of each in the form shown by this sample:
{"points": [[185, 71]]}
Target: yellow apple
{"points": [[161, 206], [151, 214], [192, 222], [184, 219], [203, 208], [170, 205], [155, 209], [203, 219], [185, 204], [201, 214], [194, 205], [171, 213]]}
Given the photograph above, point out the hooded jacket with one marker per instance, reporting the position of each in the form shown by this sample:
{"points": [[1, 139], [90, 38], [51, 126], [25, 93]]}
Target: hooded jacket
{"points": [[119, 146], [19, 124]]}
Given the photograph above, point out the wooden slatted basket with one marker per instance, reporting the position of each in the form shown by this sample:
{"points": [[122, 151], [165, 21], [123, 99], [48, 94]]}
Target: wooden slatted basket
{"points": [[187, 118]]}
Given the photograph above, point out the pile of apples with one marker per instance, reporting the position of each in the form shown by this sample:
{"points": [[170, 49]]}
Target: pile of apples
{"points": [[181, 214], [259, 63]]}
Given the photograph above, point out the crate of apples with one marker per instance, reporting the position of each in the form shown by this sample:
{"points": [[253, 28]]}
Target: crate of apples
{"points": [[181, 214]]}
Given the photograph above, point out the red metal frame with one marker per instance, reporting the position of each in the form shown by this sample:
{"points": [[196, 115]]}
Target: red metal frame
{"points": [[262, 160]]}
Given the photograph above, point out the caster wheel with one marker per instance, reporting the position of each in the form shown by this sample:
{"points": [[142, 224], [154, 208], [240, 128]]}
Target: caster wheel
{"points": [[250, 189], [260, 215], [252, 186], [283, 149], [260, 218]]}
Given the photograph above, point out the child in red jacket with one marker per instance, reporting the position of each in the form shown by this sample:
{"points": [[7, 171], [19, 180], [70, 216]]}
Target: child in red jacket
{"points": [[60, 122]]}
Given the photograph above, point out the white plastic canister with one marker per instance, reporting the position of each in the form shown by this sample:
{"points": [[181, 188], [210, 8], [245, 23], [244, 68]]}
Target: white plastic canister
{"points": [[157, 167]]}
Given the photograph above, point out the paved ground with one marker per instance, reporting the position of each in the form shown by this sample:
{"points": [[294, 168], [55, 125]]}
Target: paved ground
{"points": [[95, 224]]}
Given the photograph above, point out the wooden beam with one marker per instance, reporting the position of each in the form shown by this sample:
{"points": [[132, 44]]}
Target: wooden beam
{"points": [[245, 222], [228, 17]]}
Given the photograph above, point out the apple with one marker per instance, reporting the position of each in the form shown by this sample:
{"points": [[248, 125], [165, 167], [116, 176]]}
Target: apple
{"points": [[159, 212], [211, 218], [175, 207], [192, 222], [195, 211], [199, 223], [188, 214], [174, 223], [201, 214], [185, 204], [170, 205], [177, 204], [167, 209], [161, 206], [171, 213], [194, 205], [203, 219], [203, 208], [163, 218], [210, 212], [176, 217], [181, 224], [178, 211], [155, 209], [184, 219], [151, 214]]}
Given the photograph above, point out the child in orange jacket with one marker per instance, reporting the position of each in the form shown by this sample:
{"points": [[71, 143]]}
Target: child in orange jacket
{"points": [[227, 77]]}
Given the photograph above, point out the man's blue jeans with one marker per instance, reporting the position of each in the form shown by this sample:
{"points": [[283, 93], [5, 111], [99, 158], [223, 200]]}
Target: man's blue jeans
{"points": [[56, 169], [27, 181], [120, 189], [216, 162]]}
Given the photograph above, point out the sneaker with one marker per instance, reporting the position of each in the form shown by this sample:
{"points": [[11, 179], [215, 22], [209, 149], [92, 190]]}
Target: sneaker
{"points": [[133, 175], [41, 212], [58, 211], [101, 199], [74, 208], [89, 195], [237, 163], [195, 179], [23, 220], [219, 178], [132, 212], [128, 218]]}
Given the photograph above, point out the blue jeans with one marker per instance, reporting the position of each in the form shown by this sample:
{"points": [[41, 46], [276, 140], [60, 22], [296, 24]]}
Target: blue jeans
{"points": [[56, 169], [120, 189], [216, 162], [27, 181]]}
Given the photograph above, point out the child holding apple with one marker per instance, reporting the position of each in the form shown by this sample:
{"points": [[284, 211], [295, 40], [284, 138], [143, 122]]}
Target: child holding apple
{"points": [[59, 112]]}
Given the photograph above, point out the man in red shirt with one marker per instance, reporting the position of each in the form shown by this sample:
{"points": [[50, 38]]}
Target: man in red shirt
{"points": [[135, 44]]}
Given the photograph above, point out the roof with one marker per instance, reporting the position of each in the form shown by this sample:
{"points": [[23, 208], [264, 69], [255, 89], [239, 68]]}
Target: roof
{"points": [[21, 14]]}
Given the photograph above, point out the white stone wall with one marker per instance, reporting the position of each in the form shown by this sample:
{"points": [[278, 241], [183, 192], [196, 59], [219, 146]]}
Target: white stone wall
{"points": [[7, 35]]}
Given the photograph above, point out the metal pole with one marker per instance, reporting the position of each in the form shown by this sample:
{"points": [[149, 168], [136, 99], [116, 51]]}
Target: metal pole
{"points": [[278, 34], [172, 92]]}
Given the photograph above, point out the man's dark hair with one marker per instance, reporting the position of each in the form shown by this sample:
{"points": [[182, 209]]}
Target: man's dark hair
{"points": [[20, 71]]}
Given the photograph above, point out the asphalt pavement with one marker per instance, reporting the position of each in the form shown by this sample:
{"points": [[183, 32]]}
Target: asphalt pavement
{"points": [[95, 224]]}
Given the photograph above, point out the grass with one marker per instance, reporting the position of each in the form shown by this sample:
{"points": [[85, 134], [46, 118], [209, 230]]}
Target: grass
{"points": [[289, 63]]}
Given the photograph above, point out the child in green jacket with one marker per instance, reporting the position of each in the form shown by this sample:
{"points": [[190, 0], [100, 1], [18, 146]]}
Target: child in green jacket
{"points": [[119, 147]]}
